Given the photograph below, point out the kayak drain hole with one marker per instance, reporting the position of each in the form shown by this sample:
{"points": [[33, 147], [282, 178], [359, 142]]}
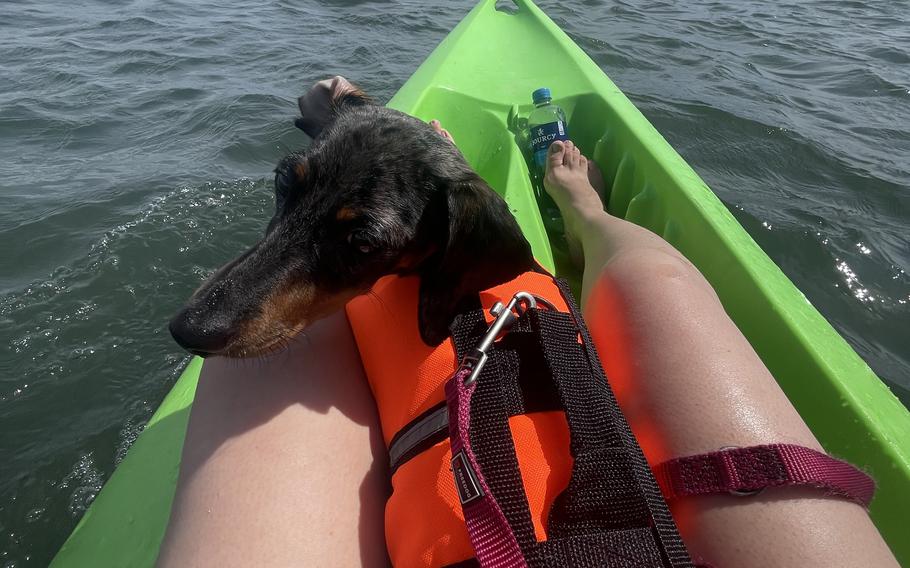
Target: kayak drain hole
{"points": [[506, 6]]}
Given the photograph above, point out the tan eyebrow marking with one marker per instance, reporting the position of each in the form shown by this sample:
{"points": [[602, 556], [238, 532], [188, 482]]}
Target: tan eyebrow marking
{"points": [[300, 169], [345, 214]]}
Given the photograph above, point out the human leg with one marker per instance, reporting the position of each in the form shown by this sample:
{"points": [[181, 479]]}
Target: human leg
{"points": [[689, 382], [283, 463], [276, 449]]}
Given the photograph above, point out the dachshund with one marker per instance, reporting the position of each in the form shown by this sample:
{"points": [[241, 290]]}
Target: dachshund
{"points": [[378, 192]]}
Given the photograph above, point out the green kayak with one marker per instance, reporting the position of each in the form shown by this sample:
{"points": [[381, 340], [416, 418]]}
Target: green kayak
{"points": [[478, 83]]}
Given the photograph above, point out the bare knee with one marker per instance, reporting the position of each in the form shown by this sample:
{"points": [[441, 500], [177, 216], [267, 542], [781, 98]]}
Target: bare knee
{"points": [[655, 270]]}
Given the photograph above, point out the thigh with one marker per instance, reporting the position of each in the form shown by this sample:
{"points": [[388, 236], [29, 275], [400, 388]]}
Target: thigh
{"points": [[284, 463], [689, 382], [680, 365]]}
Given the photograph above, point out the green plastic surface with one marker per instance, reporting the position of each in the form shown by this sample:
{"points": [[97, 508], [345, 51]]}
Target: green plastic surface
{"points": [[126, 522], [478, 83]]}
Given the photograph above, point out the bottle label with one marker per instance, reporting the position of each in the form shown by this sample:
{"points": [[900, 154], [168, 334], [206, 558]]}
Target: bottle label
{"points": [[542, 136]]}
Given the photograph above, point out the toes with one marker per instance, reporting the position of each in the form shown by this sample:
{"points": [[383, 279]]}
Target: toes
{"points": [[437, 126], [574, 157], [556, 154], [569, 157]]}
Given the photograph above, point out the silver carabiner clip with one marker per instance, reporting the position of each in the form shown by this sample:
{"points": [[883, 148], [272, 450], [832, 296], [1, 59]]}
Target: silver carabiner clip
{"points": [[477, 358]]}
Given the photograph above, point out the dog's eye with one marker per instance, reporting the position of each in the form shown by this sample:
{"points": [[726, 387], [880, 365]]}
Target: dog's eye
{"points": [[358, 242]]}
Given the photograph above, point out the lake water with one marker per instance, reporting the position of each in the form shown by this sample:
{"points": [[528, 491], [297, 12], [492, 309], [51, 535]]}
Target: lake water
{"points": [[137, 140]]}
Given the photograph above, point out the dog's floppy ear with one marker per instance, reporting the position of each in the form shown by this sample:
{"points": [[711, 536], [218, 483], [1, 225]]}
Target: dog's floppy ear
{"points": [[481, 246], [322, 103]]}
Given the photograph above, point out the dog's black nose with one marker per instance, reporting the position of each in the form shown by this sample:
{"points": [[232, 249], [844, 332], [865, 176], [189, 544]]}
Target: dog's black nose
{"points": [[201, 336]]}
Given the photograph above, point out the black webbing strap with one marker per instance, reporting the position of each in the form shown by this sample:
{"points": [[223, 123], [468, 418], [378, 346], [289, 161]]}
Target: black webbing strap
{"points": [[493, 403], [612, 513], [662, 522]]}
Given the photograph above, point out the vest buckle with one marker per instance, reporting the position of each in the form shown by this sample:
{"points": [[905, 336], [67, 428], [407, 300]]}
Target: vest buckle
{"points": [[505, 315]]}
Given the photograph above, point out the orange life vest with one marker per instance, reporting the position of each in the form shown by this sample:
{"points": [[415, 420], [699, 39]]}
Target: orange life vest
{"points": [[424, 520]]}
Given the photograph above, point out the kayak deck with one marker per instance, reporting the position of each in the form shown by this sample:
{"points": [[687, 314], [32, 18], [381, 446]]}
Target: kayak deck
{"points": [[476, 82]]}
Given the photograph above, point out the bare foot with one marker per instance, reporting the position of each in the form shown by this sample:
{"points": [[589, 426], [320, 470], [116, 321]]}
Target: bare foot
{"points": [[571, 180], [442, 131]]}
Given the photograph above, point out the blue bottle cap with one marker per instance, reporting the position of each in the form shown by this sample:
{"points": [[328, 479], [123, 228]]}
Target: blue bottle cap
{"points": [[540, 94]]}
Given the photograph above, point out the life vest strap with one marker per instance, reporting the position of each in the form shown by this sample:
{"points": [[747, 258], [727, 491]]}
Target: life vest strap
{"points": [[420, 434], [612, 513]]}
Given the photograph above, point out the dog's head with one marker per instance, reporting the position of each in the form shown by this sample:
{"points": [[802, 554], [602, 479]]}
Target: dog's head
{"points": [[377, 193]]}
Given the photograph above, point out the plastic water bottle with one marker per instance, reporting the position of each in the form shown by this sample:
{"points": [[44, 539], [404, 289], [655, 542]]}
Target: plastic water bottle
{"points": [[546, 124]]}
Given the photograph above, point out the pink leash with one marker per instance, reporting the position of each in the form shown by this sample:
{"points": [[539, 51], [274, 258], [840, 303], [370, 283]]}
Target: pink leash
{"points": [[491, 535], [746, 471]]}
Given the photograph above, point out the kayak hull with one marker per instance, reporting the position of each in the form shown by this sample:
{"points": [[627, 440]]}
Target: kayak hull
{"points": [[476, 82]]}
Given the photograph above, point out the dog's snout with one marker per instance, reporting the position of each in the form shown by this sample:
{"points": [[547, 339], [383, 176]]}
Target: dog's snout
{"points": [[200, 335]]}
